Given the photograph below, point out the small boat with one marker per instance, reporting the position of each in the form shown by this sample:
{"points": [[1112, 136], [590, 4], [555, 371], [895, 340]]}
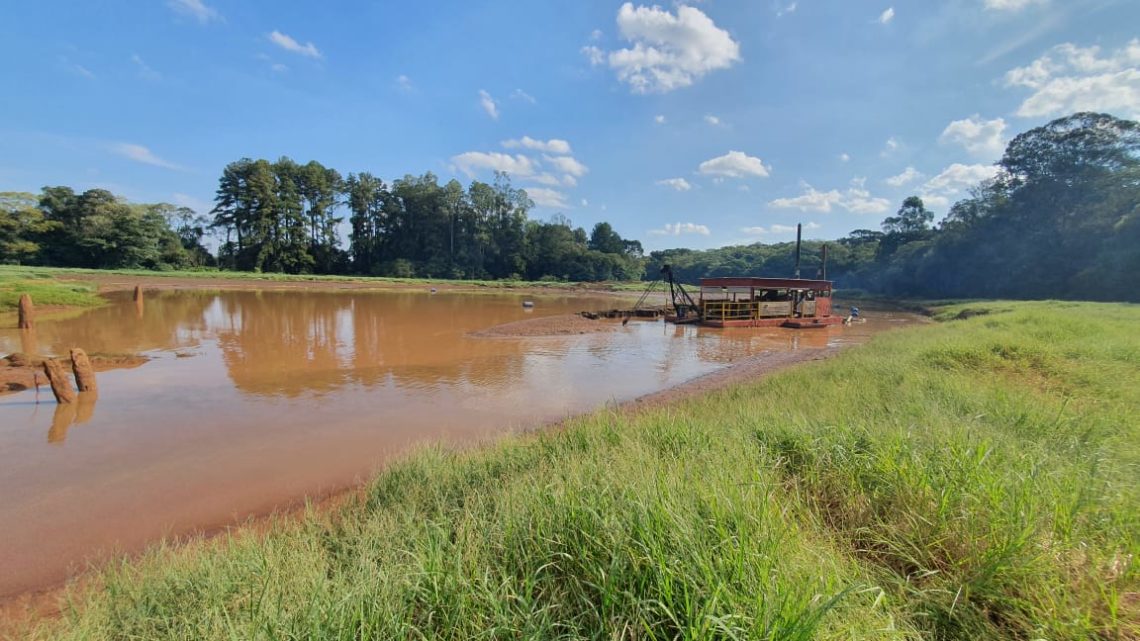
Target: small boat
{"points": [[528, 304]]}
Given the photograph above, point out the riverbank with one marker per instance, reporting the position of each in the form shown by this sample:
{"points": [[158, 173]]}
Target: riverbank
{"points": [[970, 479]]}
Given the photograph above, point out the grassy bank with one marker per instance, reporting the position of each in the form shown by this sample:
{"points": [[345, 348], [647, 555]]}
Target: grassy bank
{"points": [[974, 479], [379, 282], [44, 289]]}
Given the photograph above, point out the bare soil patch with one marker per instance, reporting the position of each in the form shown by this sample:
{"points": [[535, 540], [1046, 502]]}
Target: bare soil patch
{"points": [[561, 325], [19, 372]]}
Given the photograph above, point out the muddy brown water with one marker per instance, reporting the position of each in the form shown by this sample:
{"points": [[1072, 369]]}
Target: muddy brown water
{"points": [[252, 400]]}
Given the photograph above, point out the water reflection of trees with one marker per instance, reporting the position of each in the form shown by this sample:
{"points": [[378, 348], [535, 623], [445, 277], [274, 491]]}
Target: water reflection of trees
{"points": [[170, 320], [293, 343]]}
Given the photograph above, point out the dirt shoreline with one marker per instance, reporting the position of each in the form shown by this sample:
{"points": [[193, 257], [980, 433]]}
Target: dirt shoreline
{"points": [[45, 601]]}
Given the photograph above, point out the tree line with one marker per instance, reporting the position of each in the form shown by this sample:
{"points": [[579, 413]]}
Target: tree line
{"points": [[1061, 219]]}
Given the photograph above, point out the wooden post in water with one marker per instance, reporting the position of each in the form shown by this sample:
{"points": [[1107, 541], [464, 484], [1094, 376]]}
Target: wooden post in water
{"points": [[84, 373], [27, 312], [138, 300], [60, 383]]}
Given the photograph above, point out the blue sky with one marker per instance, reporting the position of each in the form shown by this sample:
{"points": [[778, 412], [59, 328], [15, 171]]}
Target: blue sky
{"points": [[699, 125]]}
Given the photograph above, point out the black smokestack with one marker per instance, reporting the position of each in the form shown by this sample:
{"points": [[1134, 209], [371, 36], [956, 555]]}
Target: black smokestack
{"points": [[799, 228]]}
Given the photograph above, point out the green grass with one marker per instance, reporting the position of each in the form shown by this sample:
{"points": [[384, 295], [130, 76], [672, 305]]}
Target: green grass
{"points": [[972, 479], [43, 288], [379, 282]]}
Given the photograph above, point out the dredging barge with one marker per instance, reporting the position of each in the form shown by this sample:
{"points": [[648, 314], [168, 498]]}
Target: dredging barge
{"points": [[746, 301]]}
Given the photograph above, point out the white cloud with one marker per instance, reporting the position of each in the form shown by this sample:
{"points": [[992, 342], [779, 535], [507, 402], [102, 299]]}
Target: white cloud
{"points": [[981, 138], [958, 177], [585, 203], [138, 153], [712, 120], [934, 201], [546, 179], [596, 34], [278, 67], [669, 51], [890, 146], [734, 164], [1010, 5], [679, 184], [844, 157], [488, 104], [778, 229], [287, 43], [548, 198], [659, 119], [856, 199], [554, 145], [1069, 78], [595, 55], [196, 9], [887, 16], [567, 165], [144, 69], [471, 162], [676, 229], [519, 94], [785, 10], [405, 83], [909, 175]]}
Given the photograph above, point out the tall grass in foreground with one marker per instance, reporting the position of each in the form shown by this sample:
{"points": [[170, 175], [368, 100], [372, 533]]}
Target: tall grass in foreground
{"points": [[970, 480]]}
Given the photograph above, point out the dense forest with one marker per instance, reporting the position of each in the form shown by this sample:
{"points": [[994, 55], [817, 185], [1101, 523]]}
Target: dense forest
{"points": [[1061, 219]]}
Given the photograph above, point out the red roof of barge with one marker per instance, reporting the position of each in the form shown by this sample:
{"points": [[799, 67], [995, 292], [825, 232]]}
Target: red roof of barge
{"points": [[766, 283]]}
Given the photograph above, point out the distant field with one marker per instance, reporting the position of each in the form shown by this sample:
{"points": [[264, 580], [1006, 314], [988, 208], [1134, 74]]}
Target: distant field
{"points": [[43, 288], [65, 272], [973, 479]]}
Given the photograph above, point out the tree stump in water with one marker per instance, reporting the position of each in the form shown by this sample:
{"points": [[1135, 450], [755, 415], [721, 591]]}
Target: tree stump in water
{"points": [[84, 373], [60, 383], [138, 293], [27, 312]]}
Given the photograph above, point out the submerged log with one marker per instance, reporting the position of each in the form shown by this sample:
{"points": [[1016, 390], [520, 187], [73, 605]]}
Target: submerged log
{"points": [[27, 312], [84, 373], [60, 382]]}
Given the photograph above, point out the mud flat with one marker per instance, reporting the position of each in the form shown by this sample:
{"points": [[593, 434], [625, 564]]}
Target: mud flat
{"points": [[560, 325]]}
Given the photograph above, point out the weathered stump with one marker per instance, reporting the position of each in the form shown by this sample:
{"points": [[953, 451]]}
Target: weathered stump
{"points": [[60, 383], [138, 293], [84, 373], [27, 312]]}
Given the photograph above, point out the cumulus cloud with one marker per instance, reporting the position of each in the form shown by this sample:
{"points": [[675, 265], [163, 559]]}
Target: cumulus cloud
{"points": [[489, 105], [1010, 5], [890, 146], [669, 51], [659, 119], [734, 164], [712, 120], [309, 50], [139, 153], [676, 229], [909, 175], [554, 145], [196, 9], [887, 15], [567, 165], [679, 184], [405, 83], [983, 138], [844, 157], [472, 162], [958, 177], [777, 229], [856, 199], [550, 198], [1069, 78]]}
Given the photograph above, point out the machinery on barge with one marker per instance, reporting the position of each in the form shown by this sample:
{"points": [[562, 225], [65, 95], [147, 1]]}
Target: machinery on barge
{"points": [[745, 301]]}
